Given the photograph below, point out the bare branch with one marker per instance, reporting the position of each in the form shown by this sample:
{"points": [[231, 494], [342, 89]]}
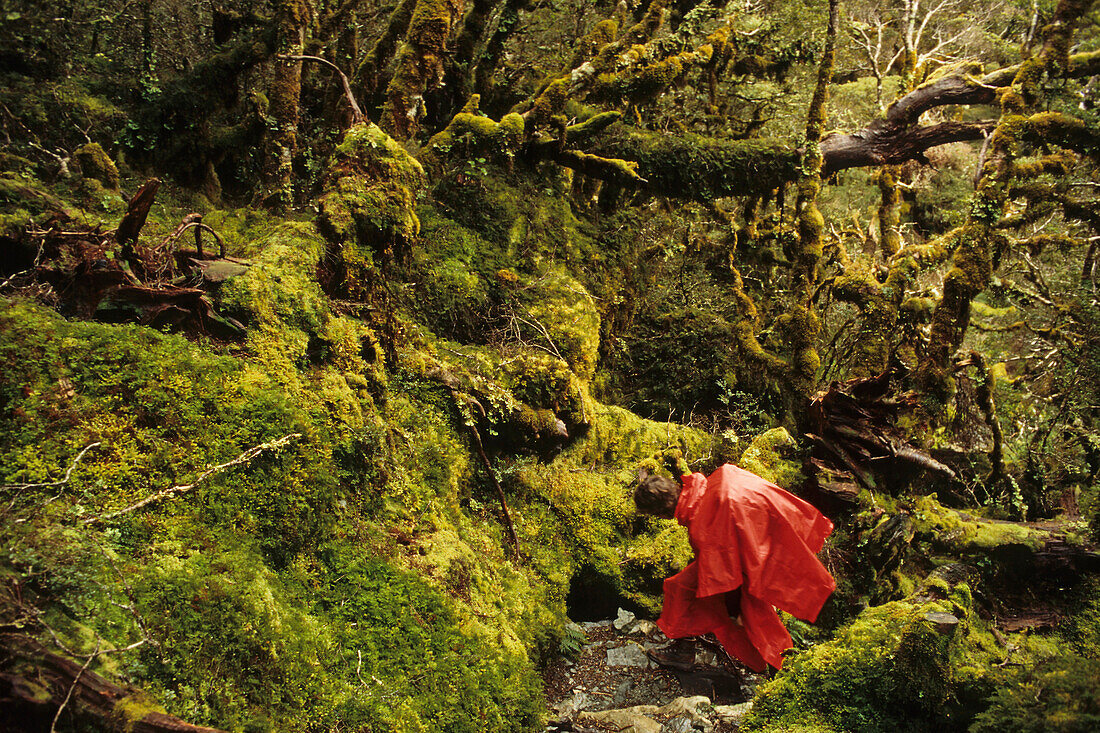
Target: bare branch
{"points": [[69, 694], [52, 484], [172, 491], [356, 112]]}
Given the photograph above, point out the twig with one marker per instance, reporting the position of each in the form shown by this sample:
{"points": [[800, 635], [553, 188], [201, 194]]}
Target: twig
{"points": [[37, 262], [171, 491], [68, 696], [357, 113], [51, 484]]}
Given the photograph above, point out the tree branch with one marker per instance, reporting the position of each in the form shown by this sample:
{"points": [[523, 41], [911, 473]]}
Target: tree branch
{"points": [[245, 457], [356, 112], [52, 484]]}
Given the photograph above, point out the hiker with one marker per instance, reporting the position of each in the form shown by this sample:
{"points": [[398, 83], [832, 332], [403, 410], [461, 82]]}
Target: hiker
{"points": [[755, 550]]}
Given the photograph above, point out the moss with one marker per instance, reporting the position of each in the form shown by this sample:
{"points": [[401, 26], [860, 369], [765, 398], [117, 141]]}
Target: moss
{"points": [[97, 165], [701, 168], [889, 670], [419, 65], [950, 529], [368, 207], [590, 44], [470, 134], [772, 455], [650, 558], [1060, 694]]}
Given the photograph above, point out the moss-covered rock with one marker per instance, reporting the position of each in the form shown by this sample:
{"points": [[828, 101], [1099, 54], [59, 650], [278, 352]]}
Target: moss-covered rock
{"points": [[773, 455], [97, 165], [891, 669], [368, 207]]}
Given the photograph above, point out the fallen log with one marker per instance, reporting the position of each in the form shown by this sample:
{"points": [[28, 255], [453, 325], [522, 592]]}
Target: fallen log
{"points": [[36, 684]]}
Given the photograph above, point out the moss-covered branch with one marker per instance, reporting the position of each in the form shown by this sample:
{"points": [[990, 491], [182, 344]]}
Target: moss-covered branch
{"points": [[700, 168]]}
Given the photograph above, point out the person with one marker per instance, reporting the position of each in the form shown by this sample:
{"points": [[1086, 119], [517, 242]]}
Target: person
{"points": [[755, 549]]}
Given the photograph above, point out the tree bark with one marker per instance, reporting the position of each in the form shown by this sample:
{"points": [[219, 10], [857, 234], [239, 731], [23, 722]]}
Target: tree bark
{"points": [[284, 94]]}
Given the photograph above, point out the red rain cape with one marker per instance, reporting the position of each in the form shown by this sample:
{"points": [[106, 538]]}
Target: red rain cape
{"points": [[747, 533]]}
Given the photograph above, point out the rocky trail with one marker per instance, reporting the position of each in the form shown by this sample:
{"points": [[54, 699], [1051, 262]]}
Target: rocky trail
{"points": [[612, 684]]}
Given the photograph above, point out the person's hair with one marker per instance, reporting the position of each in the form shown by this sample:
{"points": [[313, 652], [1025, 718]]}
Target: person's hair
{"points": [[656, 495]]}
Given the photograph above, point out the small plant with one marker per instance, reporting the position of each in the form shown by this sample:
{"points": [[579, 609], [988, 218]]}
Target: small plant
{"points": [[572, 640]]}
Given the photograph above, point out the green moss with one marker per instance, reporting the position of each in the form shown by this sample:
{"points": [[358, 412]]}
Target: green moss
{"points": [[889, 670], [701, 168], [368, 207], [952, 529], [652, 557], [470, 134], [773, 455], [97, 165]]}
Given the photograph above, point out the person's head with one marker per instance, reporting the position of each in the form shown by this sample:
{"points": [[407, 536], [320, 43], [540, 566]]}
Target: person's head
{"points": [[656, 495]]}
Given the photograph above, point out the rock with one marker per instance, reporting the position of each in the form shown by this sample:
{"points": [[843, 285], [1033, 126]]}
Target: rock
{"points": [[97, 165], [571, 705], [627, 720], [945, 623], [733, 714], [678, 725], [622, 692], [627, 655], [625, 618], [642, 626], [696, 709]]}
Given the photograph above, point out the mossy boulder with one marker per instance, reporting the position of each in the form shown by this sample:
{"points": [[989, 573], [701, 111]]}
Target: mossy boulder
{"points": [[97, 165], [368, 206], [773, 455], [896, 667]]}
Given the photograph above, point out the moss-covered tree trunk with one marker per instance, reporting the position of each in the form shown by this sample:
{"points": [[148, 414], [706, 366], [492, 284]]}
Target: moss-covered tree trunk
{"points": [[292, 18], [803, 325], [419, 65]]}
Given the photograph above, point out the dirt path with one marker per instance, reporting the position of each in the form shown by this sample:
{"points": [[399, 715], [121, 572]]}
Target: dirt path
{"points": [[613, 685]]}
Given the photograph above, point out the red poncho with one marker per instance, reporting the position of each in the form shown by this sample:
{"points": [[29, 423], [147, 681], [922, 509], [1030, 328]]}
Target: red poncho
{"points": [[747, 533]]}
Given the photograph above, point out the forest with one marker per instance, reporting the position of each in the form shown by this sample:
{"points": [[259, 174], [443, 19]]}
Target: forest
{"points": [[334, 334]]}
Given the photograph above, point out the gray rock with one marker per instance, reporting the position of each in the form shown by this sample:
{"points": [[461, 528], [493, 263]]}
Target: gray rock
{"points": [[733, 713], [624, 619], [678, 725], [627, 655]]}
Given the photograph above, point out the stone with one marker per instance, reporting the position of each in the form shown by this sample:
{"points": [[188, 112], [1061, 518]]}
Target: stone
{"points": [[627, 655], [624, 619], [696, 708], [570, 706], [733, 714], [97, 165], [627, 720], [678, 725], [642, 626], [945, 623]]}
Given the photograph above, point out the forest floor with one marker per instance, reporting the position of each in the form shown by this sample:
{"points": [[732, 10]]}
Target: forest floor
{"points": [[612, 684]]}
